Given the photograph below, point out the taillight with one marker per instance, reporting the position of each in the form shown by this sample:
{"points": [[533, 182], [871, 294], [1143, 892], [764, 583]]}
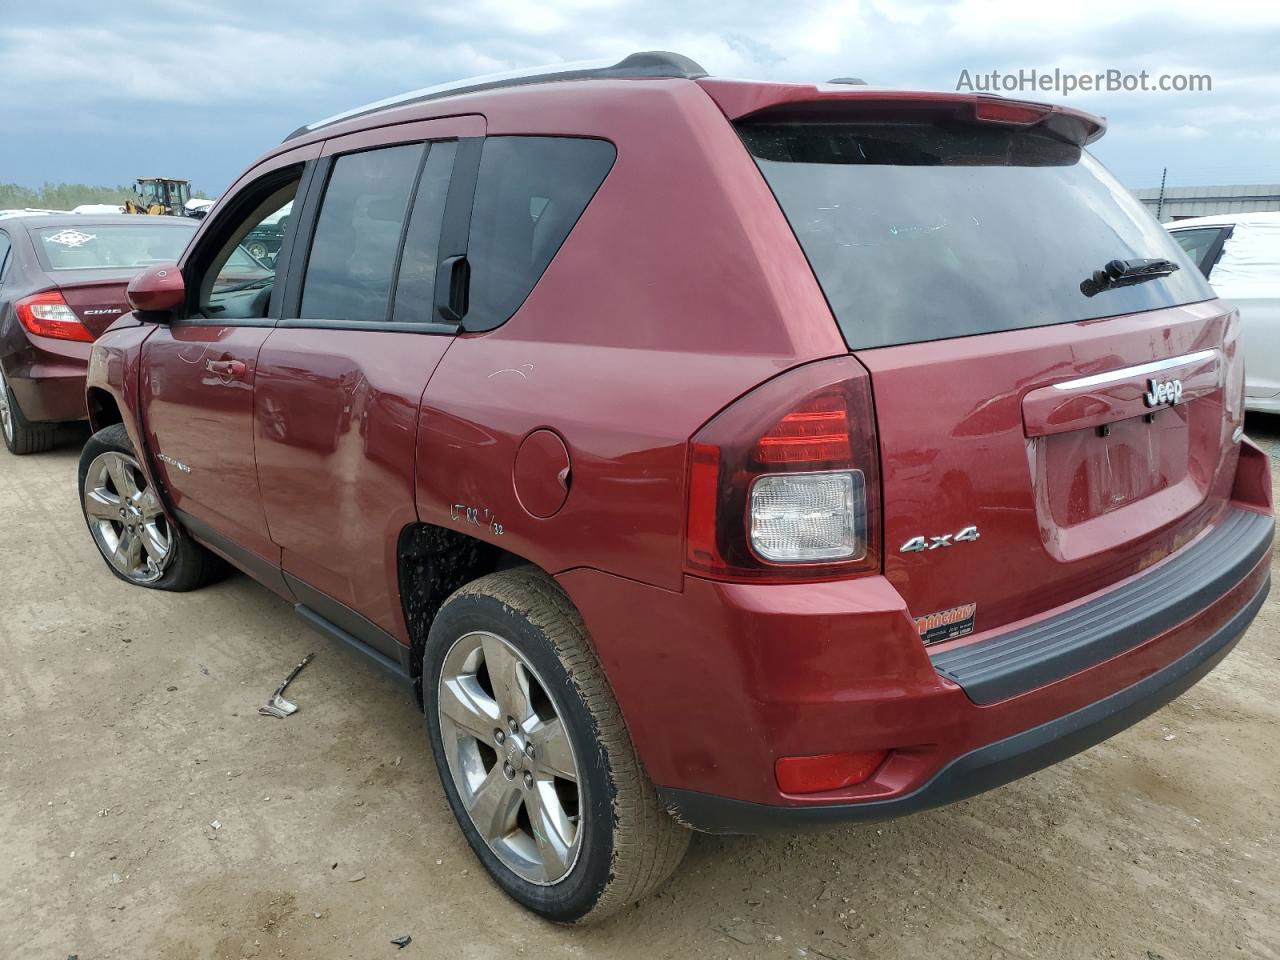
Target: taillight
{"points": [[47, 315], [785, 483]]}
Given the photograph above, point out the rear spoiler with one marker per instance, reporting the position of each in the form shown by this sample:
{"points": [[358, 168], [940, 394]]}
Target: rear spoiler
{"points": [[778, 102]]}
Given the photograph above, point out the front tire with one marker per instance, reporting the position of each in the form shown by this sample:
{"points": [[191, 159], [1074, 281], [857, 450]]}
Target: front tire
{"points": [[139, 543], [21, 436], [533, 754]]}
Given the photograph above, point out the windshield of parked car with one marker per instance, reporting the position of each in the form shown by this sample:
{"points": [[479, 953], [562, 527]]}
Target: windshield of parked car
{"points": [[931, 230], [89, 246]]}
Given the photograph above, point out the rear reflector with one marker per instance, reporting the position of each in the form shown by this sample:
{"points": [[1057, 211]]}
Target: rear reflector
{"points": [[47, 315], [827, 771]]}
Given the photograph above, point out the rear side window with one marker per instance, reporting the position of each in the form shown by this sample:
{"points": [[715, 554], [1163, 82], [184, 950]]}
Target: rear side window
{"points": [[4, 254], [530, 191], [930, 230], [92, 246], [353, 253]]}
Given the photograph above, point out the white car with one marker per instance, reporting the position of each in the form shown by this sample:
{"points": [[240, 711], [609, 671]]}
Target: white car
{"points": [[1240, 255]]}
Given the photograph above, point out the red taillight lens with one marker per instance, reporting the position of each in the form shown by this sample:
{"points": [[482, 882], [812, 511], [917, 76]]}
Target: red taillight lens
{"points": [[818, 433], [828, 771], [784, 484], [47, 315]]}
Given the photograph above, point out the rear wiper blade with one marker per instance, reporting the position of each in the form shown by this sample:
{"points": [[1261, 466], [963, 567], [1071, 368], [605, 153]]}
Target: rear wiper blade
{"points": [[1124, 273]]}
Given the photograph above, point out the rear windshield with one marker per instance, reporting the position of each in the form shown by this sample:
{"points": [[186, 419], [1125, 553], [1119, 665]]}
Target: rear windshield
{"points": [[84, 247], [930, 230]]}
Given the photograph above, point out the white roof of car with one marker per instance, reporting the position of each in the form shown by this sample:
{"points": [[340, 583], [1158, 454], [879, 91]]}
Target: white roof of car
{"points": [[1227, 219], [1250, 263]]}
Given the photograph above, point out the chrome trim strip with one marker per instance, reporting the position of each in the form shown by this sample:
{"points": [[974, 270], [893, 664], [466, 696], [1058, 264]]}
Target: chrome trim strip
{"points": [[1140, 370]]}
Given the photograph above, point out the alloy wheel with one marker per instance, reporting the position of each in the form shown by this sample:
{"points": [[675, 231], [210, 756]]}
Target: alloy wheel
{"points": [[6, 413], [510, 757], [126, 519]]}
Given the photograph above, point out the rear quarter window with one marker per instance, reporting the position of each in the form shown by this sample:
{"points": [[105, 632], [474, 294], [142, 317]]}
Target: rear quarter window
{"points": [[530, 191], [923, 231]]}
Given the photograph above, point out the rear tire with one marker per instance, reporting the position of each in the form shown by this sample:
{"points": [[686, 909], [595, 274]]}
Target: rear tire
{"points": [[21, 436], [139, 543], [560, 759]]}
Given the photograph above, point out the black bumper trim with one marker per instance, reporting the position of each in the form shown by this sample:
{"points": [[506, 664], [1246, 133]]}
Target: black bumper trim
{"points": [[987, 767], [1011, 663]]}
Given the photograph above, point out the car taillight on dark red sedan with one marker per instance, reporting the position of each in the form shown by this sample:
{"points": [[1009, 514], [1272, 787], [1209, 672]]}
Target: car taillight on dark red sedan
{"points": [[48, 315], [785, 483]]}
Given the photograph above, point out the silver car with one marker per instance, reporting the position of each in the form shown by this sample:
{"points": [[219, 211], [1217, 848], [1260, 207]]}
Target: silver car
{"points": [[1240, 255]]}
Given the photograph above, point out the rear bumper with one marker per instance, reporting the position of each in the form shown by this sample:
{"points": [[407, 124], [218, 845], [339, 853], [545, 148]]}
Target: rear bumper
{"points": [[719, 681], [986, 767], [48, 379]]}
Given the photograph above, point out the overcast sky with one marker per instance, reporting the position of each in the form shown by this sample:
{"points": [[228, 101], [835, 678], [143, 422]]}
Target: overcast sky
{"points": [[103, 92]]}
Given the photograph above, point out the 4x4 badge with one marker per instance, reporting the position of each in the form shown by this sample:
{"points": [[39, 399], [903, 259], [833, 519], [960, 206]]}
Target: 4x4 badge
{"points": [[916, 544]]}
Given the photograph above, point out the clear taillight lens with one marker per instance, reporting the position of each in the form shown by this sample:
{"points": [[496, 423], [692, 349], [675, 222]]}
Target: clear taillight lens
{"points": [[784, 483], [806, 517]]}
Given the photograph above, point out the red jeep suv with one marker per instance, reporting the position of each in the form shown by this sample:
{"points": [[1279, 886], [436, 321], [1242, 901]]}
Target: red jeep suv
{"points": [[704, 453]]}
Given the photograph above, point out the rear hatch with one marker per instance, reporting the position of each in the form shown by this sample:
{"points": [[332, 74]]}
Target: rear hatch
{"points": [[1041, 435]]}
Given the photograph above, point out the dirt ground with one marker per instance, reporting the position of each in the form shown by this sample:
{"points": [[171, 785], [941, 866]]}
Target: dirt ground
{"points": [[128, 725]]}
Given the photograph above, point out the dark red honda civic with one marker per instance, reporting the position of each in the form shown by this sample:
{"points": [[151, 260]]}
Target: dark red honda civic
{"points": [[702, 453], [62, 282]]}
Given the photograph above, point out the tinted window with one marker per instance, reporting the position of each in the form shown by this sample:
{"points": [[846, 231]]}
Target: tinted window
{"points": [[1197, 243], [924, 231], [89, 246], [238, 285], [353, 253], [529, 194], [415, 288], [4, 254]]}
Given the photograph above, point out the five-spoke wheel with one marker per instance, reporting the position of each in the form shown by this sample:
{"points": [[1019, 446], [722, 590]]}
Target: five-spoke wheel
{"points": [[510, 757], [535, 760], [125, 517]]}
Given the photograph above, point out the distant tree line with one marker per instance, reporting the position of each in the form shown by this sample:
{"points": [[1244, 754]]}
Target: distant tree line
{"points": [[63, 196]]}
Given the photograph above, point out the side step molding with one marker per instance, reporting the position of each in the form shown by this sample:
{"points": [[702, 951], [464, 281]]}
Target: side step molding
{"points": [[330, 629]]}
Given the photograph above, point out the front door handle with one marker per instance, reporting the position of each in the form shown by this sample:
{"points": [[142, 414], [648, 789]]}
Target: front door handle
{"points": [[227, 369]]}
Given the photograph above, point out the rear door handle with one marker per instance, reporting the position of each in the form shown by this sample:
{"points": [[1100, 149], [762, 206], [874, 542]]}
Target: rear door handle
{"points": [[227, 369]]}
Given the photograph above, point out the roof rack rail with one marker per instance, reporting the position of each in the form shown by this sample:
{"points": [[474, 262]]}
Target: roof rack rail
{"points": [[650, 63]]}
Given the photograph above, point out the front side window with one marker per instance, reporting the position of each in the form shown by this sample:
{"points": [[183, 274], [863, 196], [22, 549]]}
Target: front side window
{"points": [[353, 253], [91, 246], [530, 192], [238, 285]]}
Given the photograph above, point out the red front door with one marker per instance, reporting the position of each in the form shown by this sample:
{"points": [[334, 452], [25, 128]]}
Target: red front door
{"points": [[197, 405]]}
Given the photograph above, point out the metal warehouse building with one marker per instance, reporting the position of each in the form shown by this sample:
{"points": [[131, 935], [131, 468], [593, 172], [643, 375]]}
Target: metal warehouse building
{"points": [[1183, 202]]}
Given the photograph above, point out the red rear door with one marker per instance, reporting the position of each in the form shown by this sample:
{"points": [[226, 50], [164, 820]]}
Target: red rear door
{"points": [[340, 380], [1046, 428]]}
